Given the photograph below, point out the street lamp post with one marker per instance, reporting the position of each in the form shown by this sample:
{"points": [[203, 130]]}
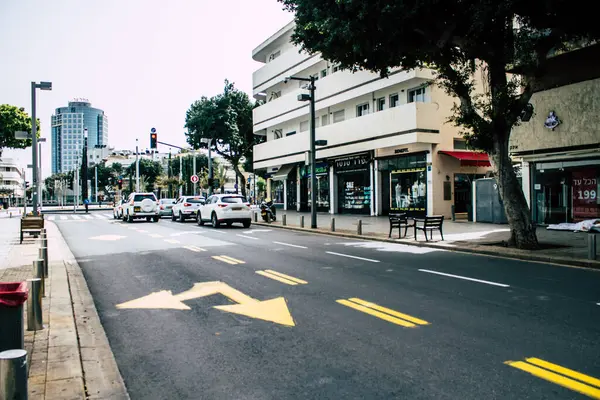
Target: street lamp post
{"points": [[84, 167], [137, 167], [210, 165], [313, 179], [34, 145]]}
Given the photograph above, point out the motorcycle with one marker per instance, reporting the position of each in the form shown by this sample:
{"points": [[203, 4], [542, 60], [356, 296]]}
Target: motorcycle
{"points": [[268, 211]]}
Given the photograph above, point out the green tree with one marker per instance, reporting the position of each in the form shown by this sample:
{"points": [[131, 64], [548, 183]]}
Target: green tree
{"points": [[458, 39], [220, 175], [187, 162], [14, 119], [50, 181], [149, 169], [226, 119]]}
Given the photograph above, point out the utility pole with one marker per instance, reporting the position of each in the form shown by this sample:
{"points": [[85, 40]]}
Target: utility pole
{"points": [[313, 177], [41, 194], [84, 167], [96, 181], [34, 143], [210, 169], [24, 193], [137, 167], [180, 175], [195, 183]]}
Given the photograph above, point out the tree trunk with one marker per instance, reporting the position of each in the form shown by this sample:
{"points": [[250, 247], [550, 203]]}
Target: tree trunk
{"points": [[242, 178], [522, 231]]}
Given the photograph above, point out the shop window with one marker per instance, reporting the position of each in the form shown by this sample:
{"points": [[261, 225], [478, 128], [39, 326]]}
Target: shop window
{"points": [[277, 191], [409, 190], [362, 109], [339, 116], [304, 126], [416, 95], [380, 104], [394, 100], [325, 120]]}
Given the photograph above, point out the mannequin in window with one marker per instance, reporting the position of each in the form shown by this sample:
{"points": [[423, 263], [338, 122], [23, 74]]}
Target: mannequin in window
{"points": [[398, 194]]}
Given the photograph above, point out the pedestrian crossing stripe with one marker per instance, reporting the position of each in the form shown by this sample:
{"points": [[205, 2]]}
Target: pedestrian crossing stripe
{"points": [[68, 217], [75, 217]]}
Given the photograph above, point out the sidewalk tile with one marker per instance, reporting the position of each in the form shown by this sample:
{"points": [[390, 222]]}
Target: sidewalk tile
{"points": [[65, 389], [65, 369]]}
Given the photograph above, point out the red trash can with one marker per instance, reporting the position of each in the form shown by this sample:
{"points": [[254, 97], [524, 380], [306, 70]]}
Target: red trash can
{"points": [[12, 297]]}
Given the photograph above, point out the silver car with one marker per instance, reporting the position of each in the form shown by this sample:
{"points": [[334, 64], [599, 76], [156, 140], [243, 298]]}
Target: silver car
{"points": [[165, 206]]}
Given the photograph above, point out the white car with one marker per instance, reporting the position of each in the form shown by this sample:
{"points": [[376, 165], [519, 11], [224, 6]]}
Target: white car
{"points": [[118, 209], [141, 205], [186, 207], [225, 209]]}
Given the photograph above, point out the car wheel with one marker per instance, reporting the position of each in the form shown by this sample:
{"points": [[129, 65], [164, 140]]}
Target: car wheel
{"points": [[148, 219], [124, 218], [199, 219], [229, 224], [181, 217], [247, 224], [214, 221], [129, 218], [155, 219], [173, 218]]}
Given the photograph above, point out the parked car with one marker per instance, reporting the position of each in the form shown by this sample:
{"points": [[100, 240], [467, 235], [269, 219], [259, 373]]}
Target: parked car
{"points": [[141, 205], [118, 209], [165, 206], [186, 207], [225, 208]]}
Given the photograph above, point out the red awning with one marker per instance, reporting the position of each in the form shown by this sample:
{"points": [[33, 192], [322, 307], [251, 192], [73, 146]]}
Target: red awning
{"points": [[469, 158]]}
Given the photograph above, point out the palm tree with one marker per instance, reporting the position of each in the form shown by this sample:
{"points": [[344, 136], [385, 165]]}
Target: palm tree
{"points": [[171, 184], [221, 176]]}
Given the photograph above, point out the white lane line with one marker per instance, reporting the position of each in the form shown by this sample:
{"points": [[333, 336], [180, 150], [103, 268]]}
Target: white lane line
{"points": [[465, 278], [155, 235], [142, 231], [349, 256], [88, 217], [247, 237], [75, 217], [99, 216], [173, 241], [291, 245], [108, 215], [51, 218], [63, 217]]}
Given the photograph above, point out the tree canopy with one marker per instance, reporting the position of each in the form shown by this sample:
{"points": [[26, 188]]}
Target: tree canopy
{"points": [[457, 39], [13, 119], [149, 169], [226, 119]]}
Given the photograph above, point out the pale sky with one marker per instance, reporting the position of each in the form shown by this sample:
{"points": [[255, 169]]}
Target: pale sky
{"points": [[142, 61]]}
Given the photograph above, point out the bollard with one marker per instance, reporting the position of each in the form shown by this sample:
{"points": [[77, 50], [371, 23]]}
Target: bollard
{"points": [[255, 216], [34, 305], [359, 227], [332, 224], [43, 241], [302, 221], [13, 374], [283, 220], [591, 246], [38, 270], [43, 255], [452, 213]]}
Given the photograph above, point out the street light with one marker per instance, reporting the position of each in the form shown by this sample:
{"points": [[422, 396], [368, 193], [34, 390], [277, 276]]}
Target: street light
{"points": [[34, 145], [313, 179], [210, 166]]}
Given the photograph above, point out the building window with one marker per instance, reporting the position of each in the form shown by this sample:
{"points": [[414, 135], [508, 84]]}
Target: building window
{"points": [[304, 126], [362, 109], [460, 144], [394, 100], [325, 120], [416, 95], [278, 133], [339, 116], [275, 95], [290, 133], [323, 73], [274, 55], [335, 68], [380, 103]]}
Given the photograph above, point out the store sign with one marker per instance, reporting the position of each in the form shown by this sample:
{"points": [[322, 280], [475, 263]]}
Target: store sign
{"points": [[585, 194], [353, 163], [408, 190], [400, 151], [405, 149], [320, 169]]}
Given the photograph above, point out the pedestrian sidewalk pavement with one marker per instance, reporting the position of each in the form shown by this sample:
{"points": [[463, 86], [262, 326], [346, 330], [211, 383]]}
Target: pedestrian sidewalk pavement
{"points": [[71, 357], [555, 246]]}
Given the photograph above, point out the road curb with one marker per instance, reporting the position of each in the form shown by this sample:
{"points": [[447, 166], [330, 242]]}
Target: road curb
{"points": [[101, 375], [515, 254]]}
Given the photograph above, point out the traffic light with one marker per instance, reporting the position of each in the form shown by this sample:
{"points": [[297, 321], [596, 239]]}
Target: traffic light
{"points": [[153, 140], [71, 184], [120, 182]]}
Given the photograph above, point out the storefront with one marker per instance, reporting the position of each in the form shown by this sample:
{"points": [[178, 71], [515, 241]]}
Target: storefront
{"points": [[322, 175], [565, 191], [404, 184], [353, 184]]}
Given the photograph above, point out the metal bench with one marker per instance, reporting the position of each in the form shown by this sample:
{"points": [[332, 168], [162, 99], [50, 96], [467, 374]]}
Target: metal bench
{"points": [[429, 224], [31, 225], [399, 220]]}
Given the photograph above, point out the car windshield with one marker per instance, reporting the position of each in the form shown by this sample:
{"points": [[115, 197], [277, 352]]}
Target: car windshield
{"points": [[195, 201], [167, 201], [140, 197], [232, 199]]}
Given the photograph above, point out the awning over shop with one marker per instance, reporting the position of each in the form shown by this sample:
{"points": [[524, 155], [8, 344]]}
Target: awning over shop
{"points": [[283, 172], [469, 158]]}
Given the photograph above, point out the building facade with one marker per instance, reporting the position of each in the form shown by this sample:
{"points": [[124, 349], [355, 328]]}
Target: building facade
{"points": [[388, 146], [68, 124], [560, 145], [11, 180]]}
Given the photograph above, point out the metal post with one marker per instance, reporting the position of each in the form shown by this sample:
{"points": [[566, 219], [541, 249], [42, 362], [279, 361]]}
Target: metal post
{"points": [[43, 254], [41, 195], [313, 177], [13, 374], [332, 224], [255, 216], [24, 194], [210, 167], [180, 175], [34, 149], [284, 220], [96, 181], [38, 270], [359, 227], [591, 246], [452, 212], [34, 305], [302, 221], [137, 167], [194, 167]]}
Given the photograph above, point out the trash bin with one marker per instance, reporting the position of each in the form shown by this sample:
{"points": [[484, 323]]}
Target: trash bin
{"points": [[12, 297]]}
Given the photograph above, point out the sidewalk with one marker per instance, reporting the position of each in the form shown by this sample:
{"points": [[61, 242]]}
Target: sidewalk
{"points": [[561, 247], [71, 357]]}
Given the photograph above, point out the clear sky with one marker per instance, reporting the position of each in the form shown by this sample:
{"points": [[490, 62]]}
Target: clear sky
{"points": [[142, 61]]}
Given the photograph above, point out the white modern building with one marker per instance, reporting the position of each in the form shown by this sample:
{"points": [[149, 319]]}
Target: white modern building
{"points": [[388, 146], [11, 179]]}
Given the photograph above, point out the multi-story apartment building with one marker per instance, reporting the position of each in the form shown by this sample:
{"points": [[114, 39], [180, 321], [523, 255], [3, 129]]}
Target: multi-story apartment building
{"points": [[388, 146], [11, 179], [560, 145], [68, 125]]}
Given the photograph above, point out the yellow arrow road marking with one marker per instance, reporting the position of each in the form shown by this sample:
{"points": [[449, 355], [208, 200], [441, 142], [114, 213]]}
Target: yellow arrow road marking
{"points": [[556, 378], [194, 248], [278, 276], [273, 310], [389, 311]]}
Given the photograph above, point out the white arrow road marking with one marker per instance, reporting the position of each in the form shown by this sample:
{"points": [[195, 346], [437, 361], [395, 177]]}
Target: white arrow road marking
{"points": [[108, 237]]}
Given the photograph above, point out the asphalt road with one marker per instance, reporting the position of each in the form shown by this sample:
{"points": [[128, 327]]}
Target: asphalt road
{"points": [[371, 320]]}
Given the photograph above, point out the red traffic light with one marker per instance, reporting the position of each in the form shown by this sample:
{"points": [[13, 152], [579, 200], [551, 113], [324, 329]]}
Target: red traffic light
{"points": [[153, 140]]}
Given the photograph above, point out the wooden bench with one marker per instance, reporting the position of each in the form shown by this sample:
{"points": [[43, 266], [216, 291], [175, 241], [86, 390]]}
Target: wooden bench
{"points": [[399, 220], [31, 225], [429, 224]]}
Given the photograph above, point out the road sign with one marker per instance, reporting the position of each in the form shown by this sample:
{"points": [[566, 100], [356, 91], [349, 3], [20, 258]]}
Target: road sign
{"points": [[194, 178], [22, 135], [235, 186], [272, 310]]}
